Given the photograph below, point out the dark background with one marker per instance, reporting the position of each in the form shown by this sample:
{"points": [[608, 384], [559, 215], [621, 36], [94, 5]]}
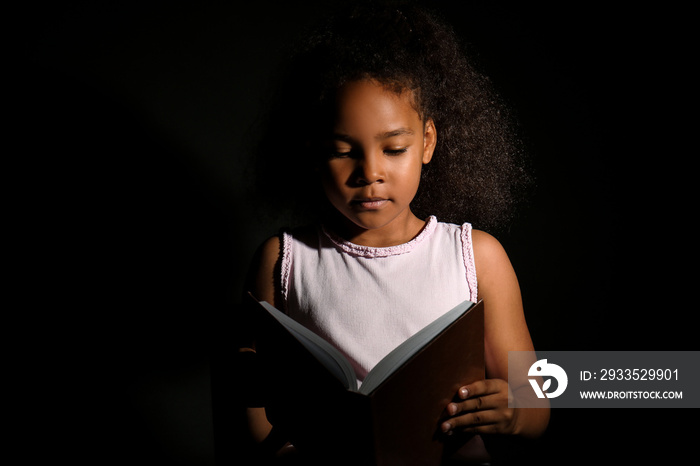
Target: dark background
{"points": [[132, 227]]}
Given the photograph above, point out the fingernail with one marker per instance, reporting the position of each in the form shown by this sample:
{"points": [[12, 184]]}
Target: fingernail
{"points": [[451, 408], [446, 427], [463, 392]]}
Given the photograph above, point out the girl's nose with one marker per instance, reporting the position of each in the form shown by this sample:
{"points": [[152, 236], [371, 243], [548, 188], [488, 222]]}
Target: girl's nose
{"points": [[370, 169]]}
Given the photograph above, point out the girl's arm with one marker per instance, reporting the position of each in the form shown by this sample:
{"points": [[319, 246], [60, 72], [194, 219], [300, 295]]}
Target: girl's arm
{"points": [[485, 406], [260, 282]]}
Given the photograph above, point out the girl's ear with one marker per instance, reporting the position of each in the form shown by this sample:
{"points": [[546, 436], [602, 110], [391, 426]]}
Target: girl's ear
{"points": [[429, 141]]}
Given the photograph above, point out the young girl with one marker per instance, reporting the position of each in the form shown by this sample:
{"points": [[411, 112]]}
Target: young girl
{"points": [[383, 128]]}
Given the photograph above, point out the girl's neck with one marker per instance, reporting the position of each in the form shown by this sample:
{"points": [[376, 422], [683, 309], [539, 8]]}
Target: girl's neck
{"points": [[399, 231]]}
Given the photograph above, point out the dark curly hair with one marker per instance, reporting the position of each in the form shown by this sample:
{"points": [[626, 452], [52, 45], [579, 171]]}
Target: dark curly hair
{"points": [[477, 172]]}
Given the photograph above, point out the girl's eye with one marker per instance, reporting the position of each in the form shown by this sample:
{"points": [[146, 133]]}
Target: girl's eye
{"points": [[335, 154], [396, 151]]}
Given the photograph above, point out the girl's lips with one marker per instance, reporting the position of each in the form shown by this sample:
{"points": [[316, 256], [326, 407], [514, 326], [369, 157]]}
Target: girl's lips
{"points": [[373, 203]]}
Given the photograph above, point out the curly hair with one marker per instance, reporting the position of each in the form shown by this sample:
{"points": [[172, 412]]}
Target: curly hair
{"points": [[477, 173]]}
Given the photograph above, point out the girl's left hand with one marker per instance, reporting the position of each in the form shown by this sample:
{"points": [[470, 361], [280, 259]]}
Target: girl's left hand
{"points": [[482, 408]]}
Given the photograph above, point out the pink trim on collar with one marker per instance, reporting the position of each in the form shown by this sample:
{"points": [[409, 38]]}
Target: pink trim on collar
{"points": [[370, 251]]}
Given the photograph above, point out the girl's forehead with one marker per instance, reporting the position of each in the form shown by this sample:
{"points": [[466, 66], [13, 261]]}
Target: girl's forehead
{"points": [[371, 99]]}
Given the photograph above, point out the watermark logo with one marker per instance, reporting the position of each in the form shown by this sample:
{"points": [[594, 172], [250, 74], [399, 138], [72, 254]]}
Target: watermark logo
{"points": [[548, 371], [605, 379]]}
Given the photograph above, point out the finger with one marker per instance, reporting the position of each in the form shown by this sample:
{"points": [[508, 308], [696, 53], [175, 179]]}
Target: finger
{"points": [[479, 430], [472, 404], [477, 403], [479, 388], [470, 421]]}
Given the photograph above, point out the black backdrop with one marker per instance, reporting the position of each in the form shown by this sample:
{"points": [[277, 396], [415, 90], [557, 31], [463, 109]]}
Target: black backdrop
{"points": [[132, 227]]}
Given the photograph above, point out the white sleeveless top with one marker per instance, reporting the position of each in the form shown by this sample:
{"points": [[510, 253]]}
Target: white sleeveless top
{"points": [[366, 300]]}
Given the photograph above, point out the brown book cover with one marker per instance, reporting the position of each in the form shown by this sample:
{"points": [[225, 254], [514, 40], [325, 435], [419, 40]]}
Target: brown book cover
{"points": [[390, 423]]}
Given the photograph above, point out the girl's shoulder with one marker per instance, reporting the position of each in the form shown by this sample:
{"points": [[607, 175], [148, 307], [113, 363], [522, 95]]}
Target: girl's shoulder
{"points": [[262, 269], [270, 250], [493, 266], [268, 258], [485, 244]]}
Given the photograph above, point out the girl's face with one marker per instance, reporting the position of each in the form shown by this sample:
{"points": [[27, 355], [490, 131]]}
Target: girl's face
{"points": [[376, 151]]}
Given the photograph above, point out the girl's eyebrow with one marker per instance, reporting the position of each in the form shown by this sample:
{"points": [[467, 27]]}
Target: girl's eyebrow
{"points": [[396, 132], [378, 137]]}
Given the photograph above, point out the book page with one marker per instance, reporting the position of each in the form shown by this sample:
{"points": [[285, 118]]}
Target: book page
{"points": [[323, 351]]}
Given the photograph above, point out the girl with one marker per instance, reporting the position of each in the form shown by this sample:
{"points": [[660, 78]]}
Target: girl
{"points": [[397, 129]]}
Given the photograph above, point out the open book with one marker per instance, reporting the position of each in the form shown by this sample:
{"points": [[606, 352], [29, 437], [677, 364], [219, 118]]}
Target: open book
{"points": [[393, 417]]}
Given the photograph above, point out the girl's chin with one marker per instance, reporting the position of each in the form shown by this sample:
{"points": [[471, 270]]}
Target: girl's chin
{"points": [[373, 219]]}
